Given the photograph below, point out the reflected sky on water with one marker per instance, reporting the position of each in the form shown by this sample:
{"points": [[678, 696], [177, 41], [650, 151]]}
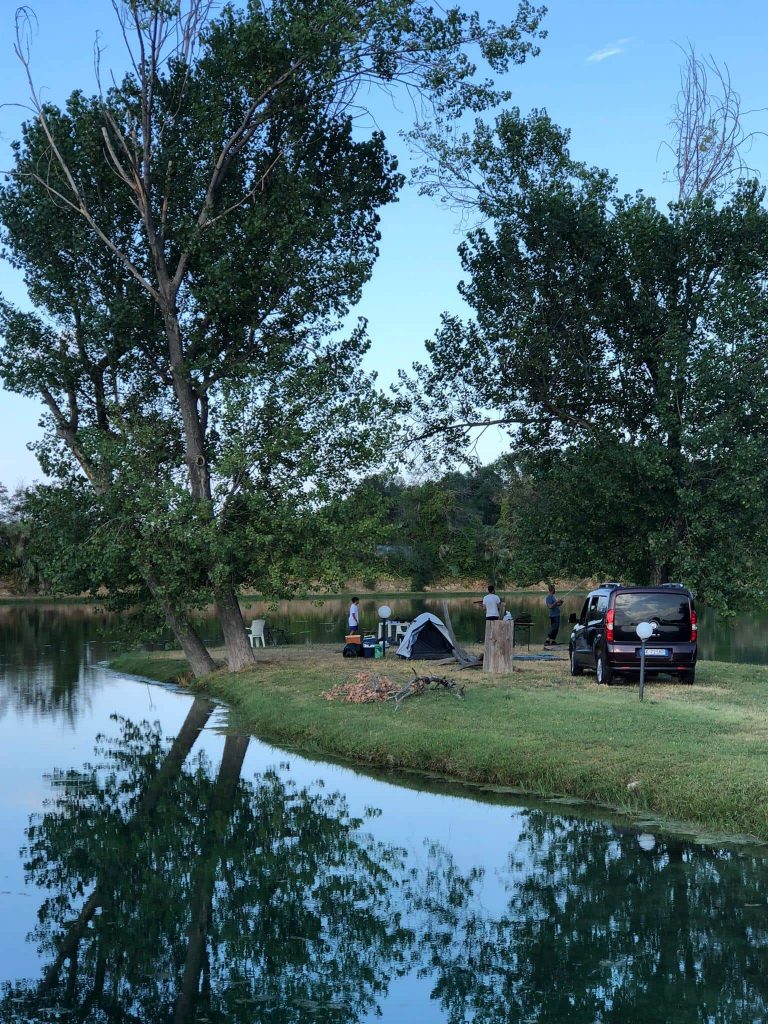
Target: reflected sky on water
{"points": [[169, 872]]}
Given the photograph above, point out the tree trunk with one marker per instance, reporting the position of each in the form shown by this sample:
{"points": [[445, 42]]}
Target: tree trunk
{"points": [[499, 641], [239, 651], [206, 864], [195, 651]]}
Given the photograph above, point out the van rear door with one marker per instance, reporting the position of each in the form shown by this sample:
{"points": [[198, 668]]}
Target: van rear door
{"points": [[671, 612]]}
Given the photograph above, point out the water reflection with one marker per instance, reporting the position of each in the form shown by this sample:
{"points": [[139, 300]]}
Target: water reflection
{"points": [[176, 893], [174, 890], [599, 926], [43, 652]]}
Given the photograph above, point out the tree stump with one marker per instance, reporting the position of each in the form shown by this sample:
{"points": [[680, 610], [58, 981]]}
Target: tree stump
{"points": [[499, 644]]}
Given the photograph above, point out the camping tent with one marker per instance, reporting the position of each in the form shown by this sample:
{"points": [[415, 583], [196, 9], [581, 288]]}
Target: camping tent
{"points": [[426, 639]]}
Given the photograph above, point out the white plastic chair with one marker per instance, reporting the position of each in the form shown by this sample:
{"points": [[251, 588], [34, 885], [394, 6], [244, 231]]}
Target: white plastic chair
{"points": [[401, 628], [257, 633]]}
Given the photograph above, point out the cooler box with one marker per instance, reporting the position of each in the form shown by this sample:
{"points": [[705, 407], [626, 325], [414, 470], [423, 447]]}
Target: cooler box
{"points": [[369, 646], [353, 638]]}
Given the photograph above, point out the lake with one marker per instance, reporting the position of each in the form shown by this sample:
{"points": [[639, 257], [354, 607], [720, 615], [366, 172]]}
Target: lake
{"points": [[158, 866]]}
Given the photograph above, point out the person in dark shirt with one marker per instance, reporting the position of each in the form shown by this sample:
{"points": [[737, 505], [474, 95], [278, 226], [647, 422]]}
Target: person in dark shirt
{"points": [[553, 604]]}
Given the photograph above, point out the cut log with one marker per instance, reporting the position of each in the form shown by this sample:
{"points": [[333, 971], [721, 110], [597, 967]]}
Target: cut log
{"points": [[499, 639]]}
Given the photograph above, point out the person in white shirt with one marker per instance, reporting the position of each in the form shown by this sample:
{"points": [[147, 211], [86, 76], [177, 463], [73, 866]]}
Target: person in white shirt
{"points": [[353, 621], [491, 602]]}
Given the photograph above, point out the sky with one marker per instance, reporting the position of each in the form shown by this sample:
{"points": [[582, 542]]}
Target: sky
{"points": [[608, 71]]}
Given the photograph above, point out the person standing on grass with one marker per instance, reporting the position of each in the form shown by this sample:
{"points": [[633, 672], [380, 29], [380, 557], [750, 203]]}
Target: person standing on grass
{"points": [[353, 621], [553, 604], [491, 602]]}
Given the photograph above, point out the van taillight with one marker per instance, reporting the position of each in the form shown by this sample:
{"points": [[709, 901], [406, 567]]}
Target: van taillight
{"points": [[609, 625], [694, 627]]}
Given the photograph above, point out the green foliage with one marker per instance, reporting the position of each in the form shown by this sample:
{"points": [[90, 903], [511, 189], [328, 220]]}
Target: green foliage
{"points": [[624, 348], [442, 528]]}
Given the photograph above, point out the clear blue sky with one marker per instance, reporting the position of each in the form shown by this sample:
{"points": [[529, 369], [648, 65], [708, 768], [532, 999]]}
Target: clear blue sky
{"points": [[608, 71]]}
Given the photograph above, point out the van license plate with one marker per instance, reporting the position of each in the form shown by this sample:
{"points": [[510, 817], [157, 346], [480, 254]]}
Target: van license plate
{"points": [[656, 652]]}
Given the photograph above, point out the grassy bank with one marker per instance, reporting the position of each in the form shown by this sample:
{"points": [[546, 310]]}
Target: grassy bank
{"points": [[688, 753]]}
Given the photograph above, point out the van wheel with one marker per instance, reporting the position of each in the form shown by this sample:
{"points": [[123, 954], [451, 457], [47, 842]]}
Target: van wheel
{"points": [[688, 677], [576, 670], [603, 669]]}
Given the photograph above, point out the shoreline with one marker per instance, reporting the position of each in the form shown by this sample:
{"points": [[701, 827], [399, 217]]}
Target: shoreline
{"points": [[689, 760], [6, 598]]}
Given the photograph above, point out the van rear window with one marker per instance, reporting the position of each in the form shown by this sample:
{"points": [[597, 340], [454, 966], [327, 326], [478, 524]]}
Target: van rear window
{"points": [[670, 612]]}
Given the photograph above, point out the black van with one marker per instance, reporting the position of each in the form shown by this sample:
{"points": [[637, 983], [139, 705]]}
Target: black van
{"points": [[604, 636]]}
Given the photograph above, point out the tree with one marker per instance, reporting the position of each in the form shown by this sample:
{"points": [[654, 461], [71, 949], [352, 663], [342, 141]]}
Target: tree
{"points": [[625, 350], [444, 527], [212, 219]]}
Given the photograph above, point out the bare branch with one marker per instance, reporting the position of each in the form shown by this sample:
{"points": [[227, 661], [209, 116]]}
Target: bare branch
{"points": [[708, 137], [76, 201]]}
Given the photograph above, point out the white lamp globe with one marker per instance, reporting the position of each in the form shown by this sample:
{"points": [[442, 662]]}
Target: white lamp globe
{"points": [[385, 612], [644, 630]]}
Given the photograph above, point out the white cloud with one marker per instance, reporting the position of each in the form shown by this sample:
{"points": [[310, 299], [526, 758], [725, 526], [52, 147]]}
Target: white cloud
{"points": [[611, 50]]}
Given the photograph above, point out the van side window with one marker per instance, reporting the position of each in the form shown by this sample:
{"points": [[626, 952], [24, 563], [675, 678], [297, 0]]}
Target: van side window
{"points": [[583, 612], [602, 606], [592, 614]]}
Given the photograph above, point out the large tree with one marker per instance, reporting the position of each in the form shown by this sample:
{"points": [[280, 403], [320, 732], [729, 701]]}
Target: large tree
{"points": [[193, 237], [625, 349]]}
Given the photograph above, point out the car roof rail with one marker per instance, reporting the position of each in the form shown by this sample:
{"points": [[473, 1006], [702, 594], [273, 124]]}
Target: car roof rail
{"points": [[609, 586], [675, 586]]}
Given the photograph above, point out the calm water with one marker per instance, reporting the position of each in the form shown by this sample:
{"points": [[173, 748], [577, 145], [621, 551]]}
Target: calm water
{"points": [[156, 868]]}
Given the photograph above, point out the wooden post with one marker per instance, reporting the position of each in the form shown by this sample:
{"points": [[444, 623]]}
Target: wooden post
{"points": [[499, 645]]}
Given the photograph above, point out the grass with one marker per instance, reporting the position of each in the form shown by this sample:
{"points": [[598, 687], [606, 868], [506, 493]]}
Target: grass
{"points": [[694, 754]]}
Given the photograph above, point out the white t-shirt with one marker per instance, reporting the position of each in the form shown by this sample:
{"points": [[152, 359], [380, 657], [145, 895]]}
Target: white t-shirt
{"points": [[492, 603], [354, 616]]}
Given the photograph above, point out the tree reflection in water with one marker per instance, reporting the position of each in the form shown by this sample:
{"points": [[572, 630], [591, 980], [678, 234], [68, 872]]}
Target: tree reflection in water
{"points": [[176, 893], [597, 929], [176, 896]]}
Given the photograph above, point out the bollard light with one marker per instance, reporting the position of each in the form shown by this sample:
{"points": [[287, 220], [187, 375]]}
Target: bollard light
{"points": [[645, 631], [385, 614]]}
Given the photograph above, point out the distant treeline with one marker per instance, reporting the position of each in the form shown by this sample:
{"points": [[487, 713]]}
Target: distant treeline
{"points": [[515, 522]]}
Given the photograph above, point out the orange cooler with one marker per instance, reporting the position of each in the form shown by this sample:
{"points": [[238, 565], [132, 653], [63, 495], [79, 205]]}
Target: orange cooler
{"points": [[353, 638]]}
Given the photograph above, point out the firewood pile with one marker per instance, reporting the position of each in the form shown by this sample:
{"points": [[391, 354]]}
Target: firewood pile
{"points": [[370, 688]]}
